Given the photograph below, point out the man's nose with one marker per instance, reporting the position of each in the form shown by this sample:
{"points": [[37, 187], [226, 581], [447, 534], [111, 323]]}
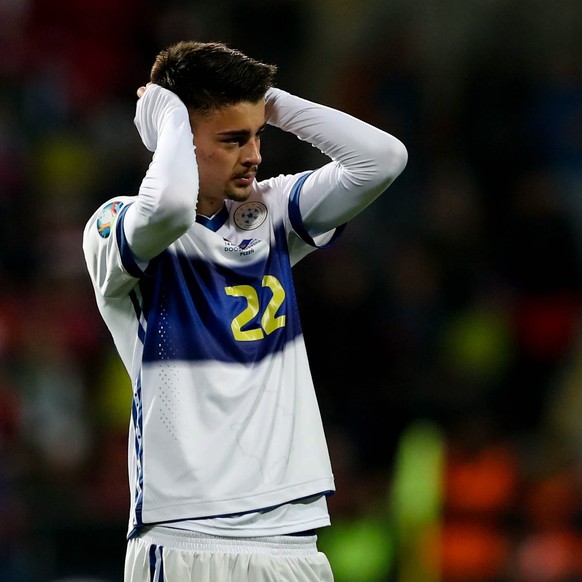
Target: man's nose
{"points": [[252, 153]]}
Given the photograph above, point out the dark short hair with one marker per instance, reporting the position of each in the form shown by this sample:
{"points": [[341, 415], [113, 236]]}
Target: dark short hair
{"points": [[208, 76]]}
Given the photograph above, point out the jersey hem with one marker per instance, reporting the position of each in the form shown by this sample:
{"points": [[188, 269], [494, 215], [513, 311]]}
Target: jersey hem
{"points": [[233, 507]]}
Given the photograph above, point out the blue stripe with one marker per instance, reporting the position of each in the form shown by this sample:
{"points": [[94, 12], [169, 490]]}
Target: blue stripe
{"points": [[137, 419], [138, 311], [297, 219], [126, 253], [156, 558]]}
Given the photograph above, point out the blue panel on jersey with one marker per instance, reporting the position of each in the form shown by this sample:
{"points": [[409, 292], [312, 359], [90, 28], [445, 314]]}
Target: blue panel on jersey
{"points": [[297, 220], [189, 312], [126, 255]]}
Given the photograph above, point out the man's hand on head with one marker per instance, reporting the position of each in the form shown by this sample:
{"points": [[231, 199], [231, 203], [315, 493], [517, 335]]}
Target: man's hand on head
{"points": [[155, 107], [142, 89]]}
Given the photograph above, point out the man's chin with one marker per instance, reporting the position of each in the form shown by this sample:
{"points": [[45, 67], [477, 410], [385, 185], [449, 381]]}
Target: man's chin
{"points": [[240, 195]]}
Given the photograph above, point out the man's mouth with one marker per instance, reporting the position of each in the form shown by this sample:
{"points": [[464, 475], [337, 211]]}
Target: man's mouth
{"points": [[245, 179]]}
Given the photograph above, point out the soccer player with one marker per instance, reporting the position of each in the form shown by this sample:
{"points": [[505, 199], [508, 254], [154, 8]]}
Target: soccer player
{"points": [[228, 463]]}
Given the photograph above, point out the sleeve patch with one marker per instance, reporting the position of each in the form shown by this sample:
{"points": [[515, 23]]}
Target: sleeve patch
{"points": [[107, 218]]}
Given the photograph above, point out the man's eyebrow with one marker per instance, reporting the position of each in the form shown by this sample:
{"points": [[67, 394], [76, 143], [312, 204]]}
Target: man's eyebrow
{"points": [[240, 132]]}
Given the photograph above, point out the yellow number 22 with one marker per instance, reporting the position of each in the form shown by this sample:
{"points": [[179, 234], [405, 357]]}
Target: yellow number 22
{"points": [[269, 321]]}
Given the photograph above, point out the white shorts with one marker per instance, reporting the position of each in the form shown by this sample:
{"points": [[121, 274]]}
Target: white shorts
{"points": [[171, 555]]}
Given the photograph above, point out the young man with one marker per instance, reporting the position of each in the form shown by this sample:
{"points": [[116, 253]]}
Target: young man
{"points": [[228, 464]]}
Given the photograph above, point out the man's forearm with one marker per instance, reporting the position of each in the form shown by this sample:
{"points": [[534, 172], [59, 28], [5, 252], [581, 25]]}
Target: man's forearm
{"points": [[166, 204]]}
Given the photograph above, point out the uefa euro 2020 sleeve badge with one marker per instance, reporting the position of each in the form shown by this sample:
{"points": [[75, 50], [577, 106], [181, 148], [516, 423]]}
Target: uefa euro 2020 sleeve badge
{"points": [[250, 215], [107, 217]]}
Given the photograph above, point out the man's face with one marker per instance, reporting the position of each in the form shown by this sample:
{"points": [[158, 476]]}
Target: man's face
{"points": [[228, 144]]}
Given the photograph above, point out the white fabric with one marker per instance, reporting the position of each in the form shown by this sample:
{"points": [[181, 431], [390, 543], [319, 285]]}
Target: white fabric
{"points": [[301, 515], [165, 555]]}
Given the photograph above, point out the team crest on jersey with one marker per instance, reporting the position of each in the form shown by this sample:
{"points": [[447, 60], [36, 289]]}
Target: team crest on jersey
{"points": [[107, 217], [250, 215]]}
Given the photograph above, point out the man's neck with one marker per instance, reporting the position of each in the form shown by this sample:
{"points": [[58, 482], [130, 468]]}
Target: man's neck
{"points": [[208, 208]]}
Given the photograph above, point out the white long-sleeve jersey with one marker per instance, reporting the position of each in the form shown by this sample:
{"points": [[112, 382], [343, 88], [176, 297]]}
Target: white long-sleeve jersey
{"points": [[225, 432]]}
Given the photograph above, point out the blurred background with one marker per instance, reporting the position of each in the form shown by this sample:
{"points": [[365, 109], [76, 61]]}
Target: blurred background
{"points": [[444, 327]]}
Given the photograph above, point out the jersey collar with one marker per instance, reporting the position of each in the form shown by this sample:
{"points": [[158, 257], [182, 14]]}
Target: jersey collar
{"points": [[216, 221]]}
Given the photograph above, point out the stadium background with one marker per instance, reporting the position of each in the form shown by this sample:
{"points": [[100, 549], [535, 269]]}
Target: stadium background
{"points": [[444, 328]]}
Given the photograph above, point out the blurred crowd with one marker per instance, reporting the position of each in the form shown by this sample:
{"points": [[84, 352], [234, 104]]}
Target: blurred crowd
{"points": [[454, 300]]}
